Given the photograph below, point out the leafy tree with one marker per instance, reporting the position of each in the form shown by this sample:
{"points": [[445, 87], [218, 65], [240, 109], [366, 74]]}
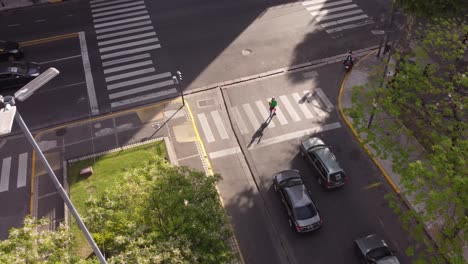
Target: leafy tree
{"points": [[432, 8], [29, 245], [426, 99], [161, 214]]}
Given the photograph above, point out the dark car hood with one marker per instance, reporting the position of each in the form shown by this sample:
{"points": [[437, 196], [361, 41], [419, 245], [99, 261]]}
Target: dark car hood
{"points": [[8, 45]]}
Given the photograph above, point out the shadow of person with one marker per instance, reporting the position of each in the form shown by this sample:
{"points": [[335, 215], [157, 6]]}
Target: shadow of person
{"points": [[259, 133]]}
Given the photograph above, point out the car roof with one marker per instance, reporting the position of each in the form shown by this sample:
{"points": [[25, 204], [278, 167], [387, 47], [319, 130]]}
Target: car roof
{"points": [[328, 159], [298, 195]]}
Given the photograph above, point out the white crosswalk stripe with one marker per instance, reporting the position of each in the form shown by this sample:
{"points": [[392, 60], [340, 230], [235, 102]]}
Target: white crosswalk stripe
{"points": [[334, 16], [128, 66], [116, 6], [102, 43], [123, 21], [109, 3], [120, 16], [141, 89], [126, 59], [248, 117], [129, 74], [118, 11]]}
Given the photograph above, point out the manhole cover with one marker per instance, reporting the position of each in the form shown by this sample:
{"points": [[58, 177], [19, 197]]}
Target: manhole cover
{"points": [[246, 52], [205, 103], [60, 132]]}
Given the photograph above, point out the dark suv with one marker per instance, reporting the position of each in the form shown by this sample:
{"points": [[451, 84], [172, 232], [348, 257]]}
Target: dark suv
{"points": [[302, 212], [15, 74], [10, 51], [330, 174]]}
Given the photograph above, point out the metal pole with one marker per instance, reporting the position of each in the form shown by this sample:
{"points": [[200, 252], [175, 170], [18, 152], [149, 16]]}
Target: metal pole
{"points": [[59, 187]]}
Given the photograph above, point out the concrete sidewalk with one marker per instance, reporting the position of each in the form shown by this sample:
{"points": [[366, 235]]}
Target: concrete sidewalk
{"points": [[360, 75], [13, 4]]}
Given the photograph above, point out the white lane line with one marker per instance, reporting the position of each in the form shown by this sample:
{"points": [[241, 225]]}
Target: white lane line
{"points": [[328, 17], [219, 124], [99, 31], [251, 116], [126, 59], [125, 32], [205, 127], [127, 38], [129, 74], [22, 170], [321, 7], [290, 108], [324, 98], [337, 29], [327, 11], [14, 25], [313, 2], [237, 116], [118, 11], [98, 20], [121, 21], [294, 135], [40, 20], [224, 152], [127, 45], [302, 106], [141, 80], [341, 21], [145, 88], [132, 51], [109, 3], [61, 59], [93, 104], [264, 111], [116, 6], [128, 66], [5, 177], [144, 97]]}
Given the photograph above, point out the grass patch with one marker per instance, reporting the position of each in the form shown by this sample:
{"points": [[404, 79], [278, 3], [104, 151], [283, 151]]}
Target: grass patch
{"points": [[107, 170]]}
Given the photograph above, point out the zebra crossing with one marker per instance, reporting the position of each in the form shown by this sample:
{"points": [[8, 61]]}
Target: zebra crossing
{"points": [[249, 117], [10, 166], [337, 15], [125, 37]]}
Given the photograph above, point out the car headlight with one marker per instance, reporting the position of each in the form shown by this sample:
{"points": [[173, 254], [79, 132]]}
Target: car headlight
{"points": [[14, 51], [35, 74]]}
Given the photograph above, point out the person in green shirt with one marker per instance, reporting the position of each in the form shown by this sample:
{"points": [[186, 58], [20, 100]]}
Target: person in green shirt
{"points": [[273, 104]]}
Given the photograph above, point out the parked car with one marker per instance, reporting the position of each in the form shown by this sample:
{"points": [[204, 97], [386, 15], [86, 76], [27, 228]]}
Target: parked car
{"points": [[10, 51], [375, 250], [329, 172], [303, 214], [16, 74]]}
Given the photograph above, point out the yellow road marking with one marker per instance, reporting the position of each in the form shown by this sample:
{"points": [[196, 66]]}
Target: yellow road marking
{"points": [[366, 148], [210, 171], [372, 185], [49, 39]]}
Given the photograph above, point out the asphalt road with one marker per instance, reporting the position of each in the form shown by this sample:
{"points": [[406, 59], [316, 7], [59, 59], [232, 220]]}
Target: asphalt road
{"points": [[356, 210]]}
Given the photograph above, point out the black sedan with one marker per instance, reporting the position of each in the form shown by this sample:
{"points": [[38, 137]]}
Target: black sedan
{"points": [[302, 212], [375, 250], [10, 51], [16, 74]]}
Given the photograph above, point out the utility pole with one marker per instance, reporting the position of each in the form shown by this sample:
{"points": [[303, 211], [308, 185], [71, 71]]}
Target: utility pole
{"points": [[178, 81]]}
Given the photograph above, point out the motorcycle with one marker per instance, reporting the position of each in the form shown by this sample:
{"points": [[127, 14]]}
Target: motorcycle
{"points": [[348, 62]]}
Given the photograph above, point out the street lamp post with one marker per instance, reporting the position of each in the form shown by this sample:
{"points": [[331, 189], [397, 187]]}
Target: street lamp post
{"points": [[178, 80], [9, 112]]}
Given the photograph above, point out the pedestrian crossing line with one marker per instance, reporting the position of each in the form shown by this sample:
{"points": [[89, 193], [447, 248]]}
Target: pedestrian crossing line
{"points": [[341, 21], [98, 20], [125, 32], [337, 29], [97, 1], [118, 11], [127, 45], [127, 66], [22, 170], [327, 11], [126, 59], [123, 21], [224, 152], [324, 98], [304, 109], [5, 176], [315, 7], [145, 88], [143, 35], [140, 80], [129, 74], [219, 124], [128, 52], [137, 24], [262, 109], [109, 3], [313, 2], [205, 127], [172, 91], [281, 118], [315, 105], [290, 108], [239, 121], [251, 116], [328, 17], [116, 6]]}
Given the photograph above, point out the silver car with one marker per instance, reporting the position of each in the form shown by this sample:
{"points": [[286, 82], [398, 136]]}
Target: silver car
{"points": [[375, 250]]}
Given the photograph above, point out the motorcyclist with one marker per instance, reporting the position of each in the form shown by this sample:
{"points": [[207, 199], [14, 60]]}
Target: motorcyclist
{"points": [[349, 60]]}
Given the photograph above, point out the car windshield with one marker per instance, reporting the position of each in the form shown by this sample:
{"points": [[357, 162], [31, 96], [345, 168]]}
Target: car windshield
{"points": [[337, 177], [378, 253], [305, 212], [291, 182], [17, 68]]}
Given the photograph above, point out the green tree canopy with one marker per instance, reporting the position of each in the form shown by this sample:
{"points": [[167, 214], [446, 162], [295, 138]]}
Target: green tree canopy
{"points": [[434, 8]]}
